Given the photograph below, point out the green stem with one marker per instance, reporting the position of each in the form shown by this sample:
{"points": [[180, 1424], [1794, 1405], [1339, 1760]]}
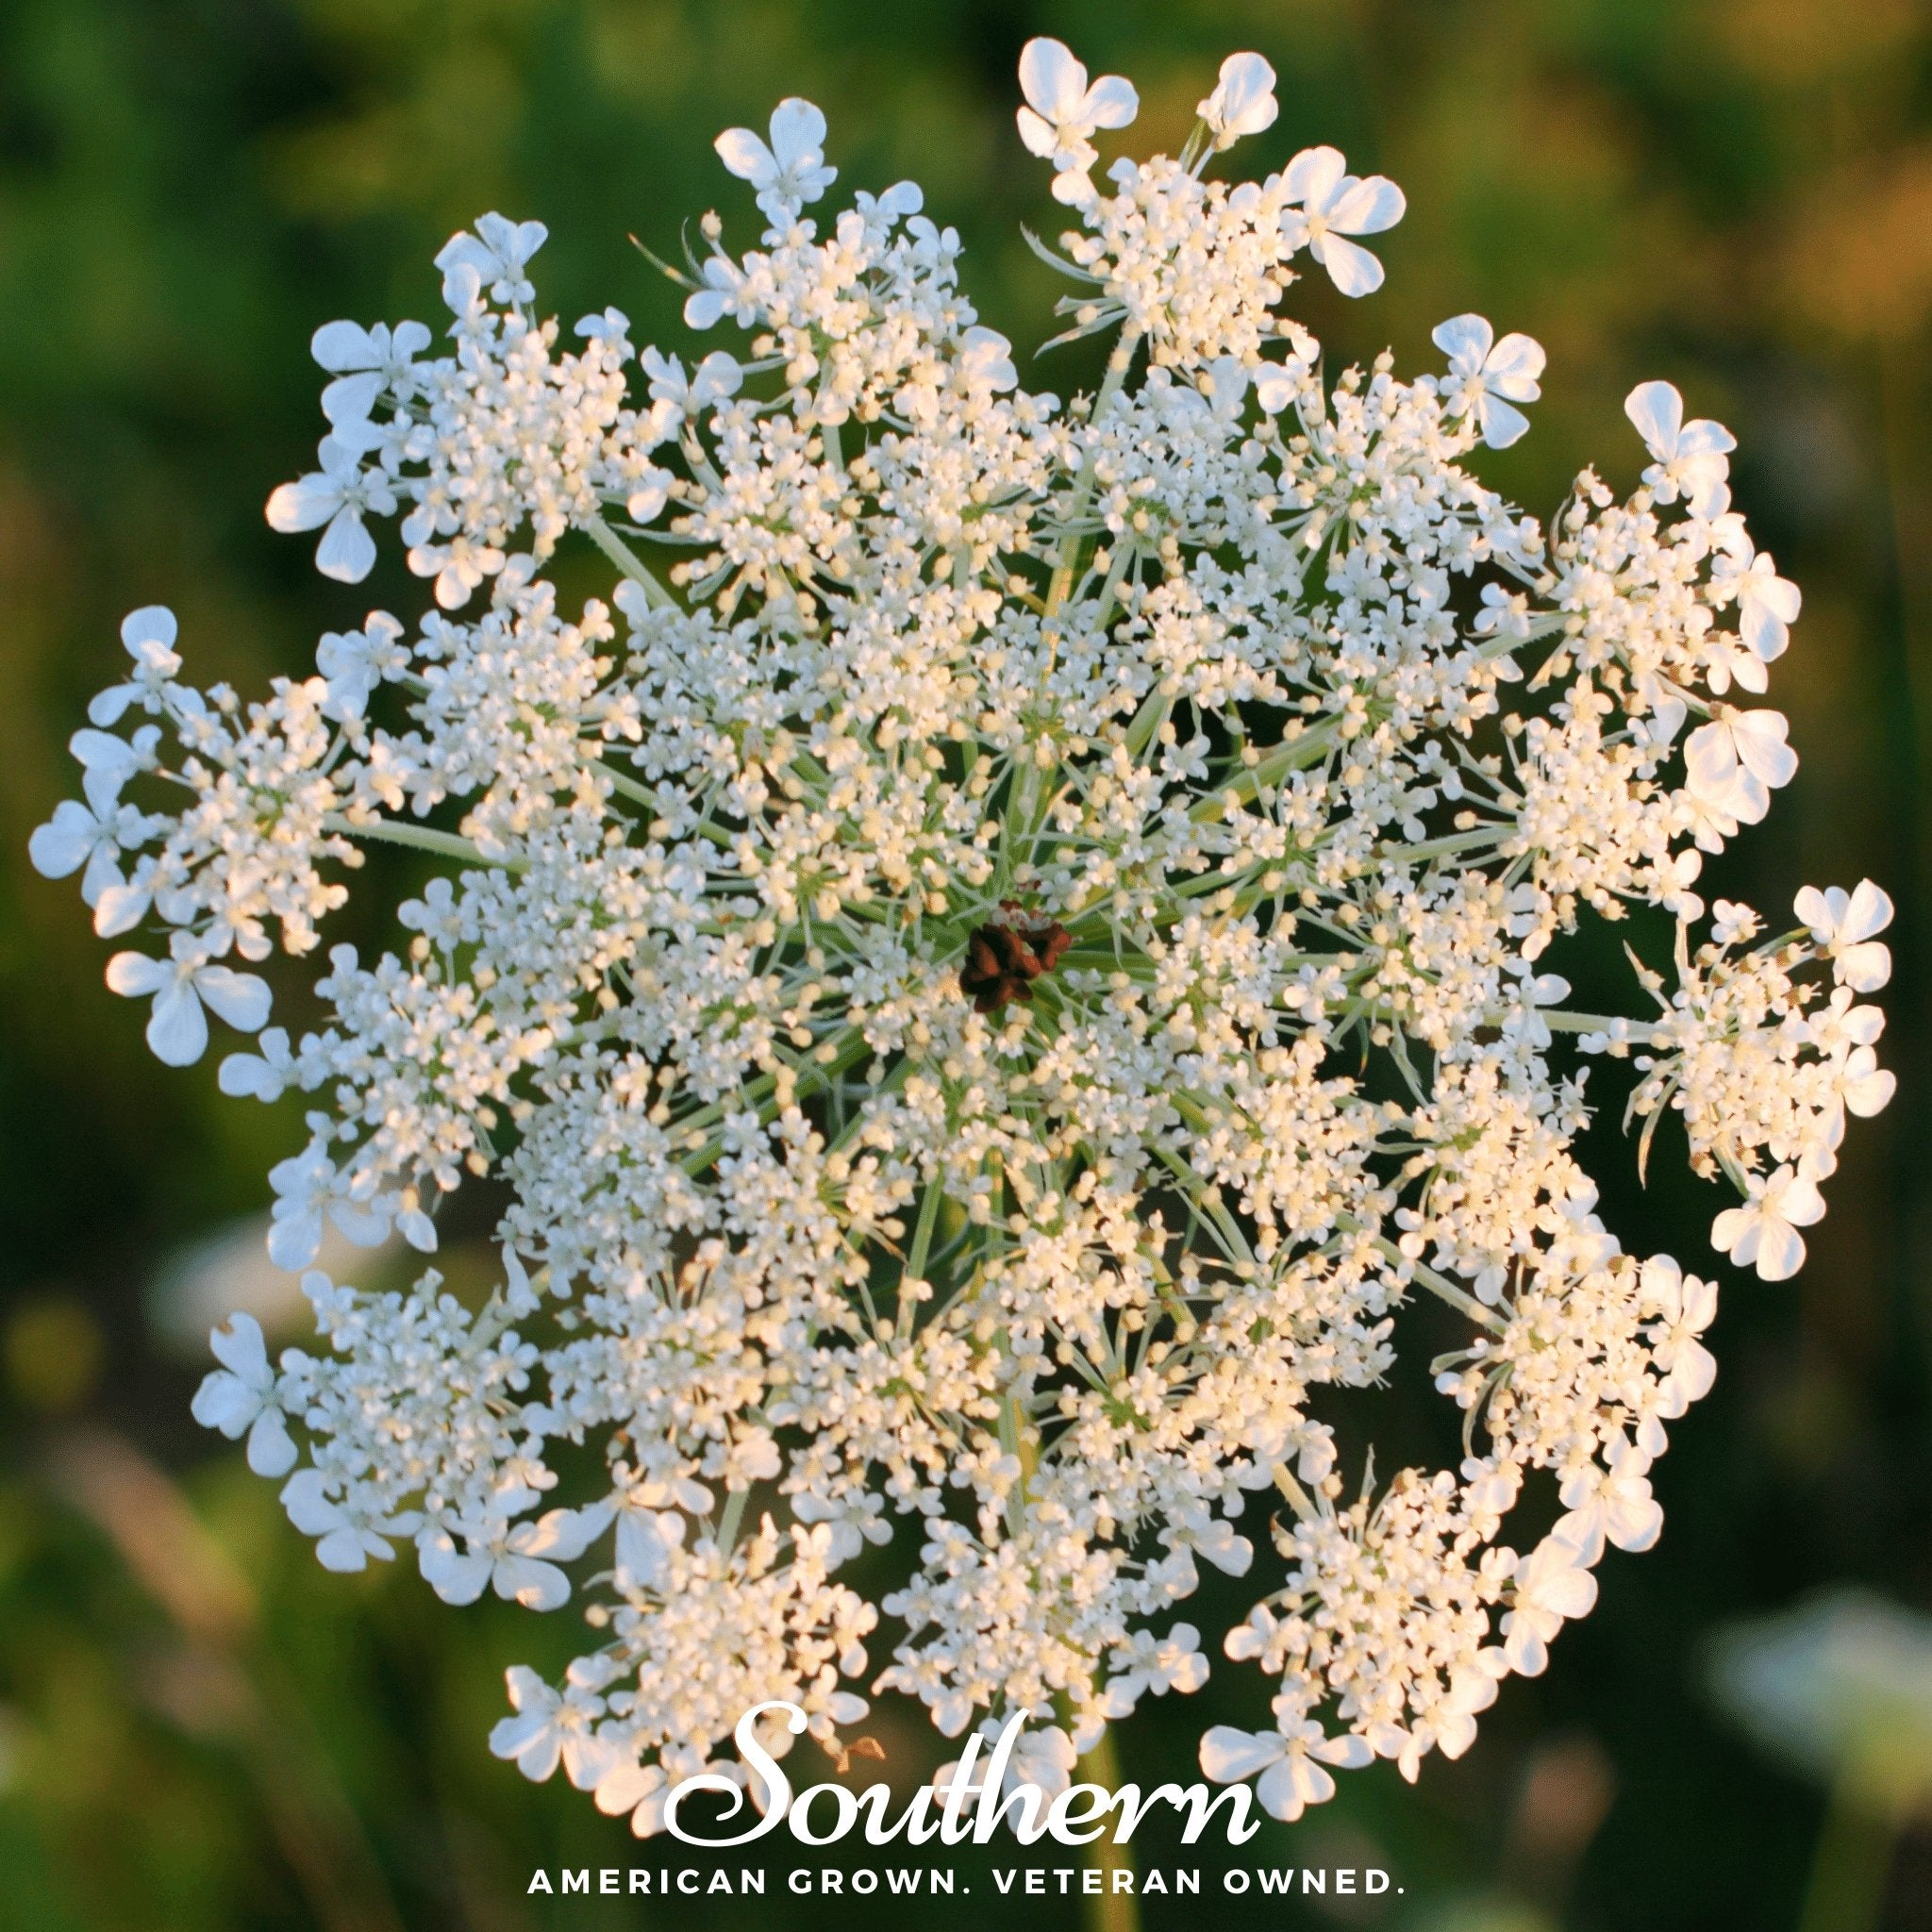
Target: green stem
{"points": [[1307, 748], [1445, 1291], [1559, 1022], [420, 838], [630, 562], [921, 1234], [1117, 366], [1847, 1893], [1108, 1910], [734, 1514], [1456, 842]]}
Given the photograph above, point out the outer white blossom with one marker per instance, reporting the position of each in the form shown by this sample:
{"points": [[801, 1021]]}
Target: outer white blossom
{"points": [[1763, 1232], [239, 1397], [337, 494], [181, 986], [990, 972], [1334, 206], [790, 170], [1291, 1762], [1737, 760], [495, 261], [77, 838], [148, 635], [1158, 1664], [1553, 1586], [1242, 101], [520, 1563], [1063, 112], [1692, 458], [1847, 926], [1490, 377]]}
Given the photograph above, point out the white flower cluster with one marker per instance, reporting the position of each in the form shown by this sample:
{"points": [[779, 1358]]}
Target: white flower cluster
{"points": [[995, 978]]}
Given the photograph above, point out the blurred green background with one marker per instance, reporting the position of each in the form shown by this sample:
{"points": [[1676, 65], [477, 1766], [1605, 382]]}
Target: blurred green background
{"points": [[201, 1729]]}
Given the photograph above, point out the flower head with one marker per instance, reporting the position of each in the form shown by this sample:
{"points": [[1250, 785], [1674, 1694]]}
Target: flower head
{"points": [[988, 969]]}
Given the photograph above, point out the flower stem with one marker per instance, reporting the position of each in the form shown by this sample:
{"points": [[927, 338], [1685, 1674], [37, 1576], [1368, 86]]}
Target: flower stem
{"points": [[1560, 1022], [420, 838], [1109, 1911], [1847, 1893], [1445, 1291], [1117, 366], [630, 563]]}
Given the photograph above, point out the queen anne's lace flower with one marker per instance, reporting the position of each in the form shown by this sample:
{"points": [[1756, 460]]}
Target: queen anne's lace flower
{"points": [[1062, 112], [992, 983]]}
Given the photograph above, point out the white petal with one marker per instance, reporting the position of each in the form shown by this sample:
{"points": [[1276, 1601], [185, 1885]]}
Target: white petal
{"points": [[224, 1402], [344, 1551], [1353, 270], [308, 1509], [1734, 1232], [177, 1032], [1312, 174], [1286, 1789], [1656, 411], [1513, 366], [153, 624], [348, 401], [135, 976], [1866, 966], [1868, 912], [295, 1240], [798, 131], [1038, 135], [347, 551], [340, 345], [1244, 98], [62, 845], [1704, 438], [535, 1586], [1227, 1756], [1351, 1750], [1369, 206], [1503, 423], [271, 1449], [1052, 81], [563, 1534], [747, 157], [1761, 747], [239, 998], [457, 1579], [240, 1347], [1570, 1593], [1111, 102], [1871, 1092], [367, 1227], [1465, 340], [1780, 1251], [303, 506], [1817, 910]]}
